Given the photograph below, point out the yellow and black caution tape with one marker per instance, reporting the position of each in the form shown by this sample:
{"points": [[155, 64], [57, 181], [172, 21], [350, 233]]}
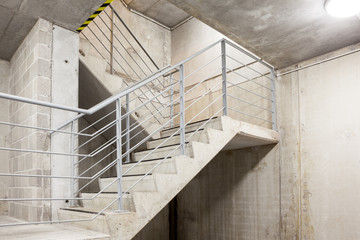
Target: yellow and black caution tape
{"points": [[97, 12]]}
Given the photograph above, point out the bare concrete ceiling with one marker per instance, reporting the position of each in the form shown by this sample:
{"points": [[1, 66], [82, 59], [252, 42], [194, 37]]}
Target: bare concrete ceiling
{"points": [[17, 17], [160, 10], [283, 32]]}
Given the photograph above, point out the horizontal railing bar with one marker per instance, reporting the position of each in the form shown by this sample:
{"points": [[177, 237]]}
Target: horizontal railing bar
{"points": [[249, 115], [96, 151], [97, 162], [199, 98], [42, 152], [206, 78], [201, 67], [249, 54], [39, 176], [154, 166], [260, 74], [204, 108], [250, 80], [252, 104], [100, 131], [192, 134], [40, 128], [236, 85], [146, 102], [42, 103], [97, 121]]}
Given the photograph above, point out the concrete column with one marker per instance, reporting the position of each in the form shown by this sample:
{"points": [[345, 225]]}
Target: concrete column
{"points": [[65, 90]]}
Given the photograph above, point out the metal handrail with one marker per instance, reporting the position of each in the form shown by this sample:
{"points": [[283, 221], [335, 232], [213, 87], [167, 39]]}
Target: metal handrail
{"points": [[123, 149]]}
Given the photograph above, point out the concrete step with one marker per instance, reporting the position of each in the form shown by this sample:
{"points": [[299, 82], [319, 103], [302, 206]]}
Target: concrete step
{"points": [[147, 184], [98, 224], [167, 166], [47, 232], [160, 153], [104, 199], [199, 136], [214, 123]]}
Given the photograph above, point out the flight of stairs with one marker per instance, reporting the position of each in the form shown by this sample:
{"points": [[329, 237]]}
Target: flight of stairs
{"points": [[157, 189]]}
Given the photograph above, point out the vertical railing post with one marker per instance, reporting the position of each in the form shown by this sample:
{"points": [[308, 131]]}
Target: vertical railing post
{"points": [[273, 100], [119, 151], [182, 111], [112, 42], [127, 128], [223, 67], [72, 143], [171, 103]]}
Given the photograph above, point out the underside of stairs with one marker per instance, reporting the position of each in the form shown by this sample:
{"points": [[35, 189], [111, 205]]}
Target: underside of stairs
{"points": [[159, 177]]}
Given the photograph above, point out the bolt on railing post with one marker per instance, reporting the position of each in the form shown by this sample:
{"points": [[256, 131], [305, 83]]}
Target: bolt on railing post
{"points": [[273, 100], [182, 111], [127, 160], [72, 143], [112, 42], [223, 67], [171, 103], [119, 152]]}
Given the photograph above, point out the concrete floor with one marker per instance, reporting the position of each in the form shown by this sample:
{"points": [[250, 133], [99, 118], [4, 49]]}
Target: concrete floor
{"points": [[45, 232]]}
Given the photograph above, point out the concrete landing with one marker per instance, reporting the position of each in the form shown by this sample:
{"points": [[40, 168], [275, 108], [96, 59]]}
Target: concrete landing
{"points": [[46, 232]]}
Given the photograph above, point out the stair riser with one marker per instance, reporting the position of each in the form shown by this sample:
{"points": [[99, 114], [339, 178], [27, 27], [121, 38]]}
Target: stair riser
{"points": [[102, 201], [98, 224], [216, 124], [167, 166], [145, 185], [200, 136], [160, 153]]}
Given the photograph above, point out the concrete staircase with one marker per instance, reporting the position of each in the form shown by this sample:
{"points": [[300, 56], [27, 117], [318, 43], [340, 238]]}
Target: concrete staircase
{"points": [[155, 190]]}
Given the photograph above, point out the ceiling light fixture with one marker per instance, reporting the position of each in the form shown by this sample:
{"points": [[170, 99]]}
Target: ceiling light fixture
{"points": [[342, 8]]}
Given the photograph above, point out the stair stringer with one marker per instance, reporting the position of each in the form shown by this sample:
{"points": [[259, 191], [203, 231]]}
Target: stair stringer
{"points": [[148, 204]]}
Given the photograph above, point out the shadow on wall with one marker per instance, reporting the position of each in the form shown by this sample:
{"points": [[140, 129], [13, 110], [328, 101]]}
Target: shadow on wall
{"points": [[235, 197]]}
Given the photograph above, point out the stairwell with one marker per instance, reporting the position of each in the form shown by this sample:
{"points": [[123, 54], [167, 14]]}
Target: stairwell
{"points": [[138, 140], [157, 189]]}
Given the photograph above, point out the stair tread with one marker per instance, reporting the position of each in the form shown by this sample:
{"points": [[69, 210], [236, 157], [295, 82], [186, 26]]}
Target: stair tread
{"points": [[168, 129]]}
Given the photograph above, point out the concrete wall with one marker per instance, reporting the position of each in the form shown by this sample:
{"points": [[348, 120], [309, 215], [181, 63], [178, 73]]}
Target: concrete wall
{"points": [[194, 36], [30, 76], [129, 57], [4, 117], [303, 188], [97, 162], [235, 197], [319, 126]]}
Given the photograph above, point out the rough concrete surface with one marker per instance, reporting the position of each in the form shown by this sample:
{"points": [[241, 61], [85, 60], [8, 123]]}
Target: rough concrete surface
{"points": [[281, 32], [19, 16], [45, 232], [235, 197], [319, 131], [160, 10]]}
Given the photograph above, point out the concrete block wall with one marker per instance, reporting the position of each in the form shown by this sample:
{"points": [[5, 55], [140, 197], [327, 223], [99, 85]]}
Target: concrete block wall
{"points": [[30, 77]]}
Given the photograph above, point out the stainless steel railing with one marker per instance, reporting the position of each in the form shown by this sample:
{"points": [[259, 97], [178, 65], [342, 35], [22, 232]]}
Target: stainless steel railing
{"points": [[222, 79]]}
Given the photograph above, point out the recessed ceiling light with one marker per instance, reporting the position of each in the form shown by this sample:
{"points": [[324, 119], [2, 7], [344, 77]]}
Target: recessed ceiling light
{"points": [[342, 8]]}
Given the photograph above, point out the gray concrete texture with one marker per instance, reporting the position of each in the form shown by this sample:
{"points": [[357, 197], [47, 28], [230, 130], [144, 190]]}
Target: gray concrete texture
{"points": [[160, 10], [30, 76], [17, 17], [281, 32]]}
